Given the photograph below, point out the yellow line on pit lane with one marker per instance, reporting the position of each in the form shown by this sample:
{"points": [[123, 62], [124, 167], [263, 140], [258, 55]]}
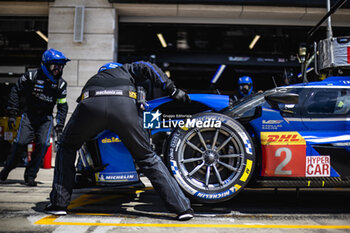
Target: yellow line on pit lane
{"points": [[50, 220]]}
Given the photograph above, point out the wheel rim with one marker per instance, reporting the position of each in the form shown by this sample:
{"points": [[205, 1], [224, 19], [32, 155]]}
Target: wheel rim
{"points": [[211, 159]]}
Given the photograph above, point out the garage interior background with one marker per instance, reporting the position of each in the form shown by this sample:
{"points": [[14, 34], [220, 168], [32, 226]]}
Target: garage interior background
{"points": [[199, 37]]}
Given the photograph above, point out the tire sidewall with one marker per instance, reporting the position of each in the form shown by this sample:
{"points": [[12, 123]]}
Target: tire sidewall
{"points": [[237, 183]]}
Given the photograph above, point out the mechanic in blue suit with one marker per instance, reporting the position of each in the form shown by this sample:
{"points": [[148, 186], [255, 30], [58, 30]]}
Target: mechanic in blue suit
{"points": [[245, 88], [41, 89], [107, 102]]}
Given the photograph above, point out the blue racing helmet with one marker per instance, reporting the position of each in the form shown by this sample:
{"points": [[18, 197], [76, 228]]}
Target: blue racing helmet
{"points": [[245, 84], [109, 65], [52, 63], [53, 56]]}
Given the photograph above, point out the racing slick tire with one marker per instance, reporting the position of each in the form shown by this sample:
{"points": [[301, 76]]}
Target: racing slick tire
{"points": [[211, 164]]}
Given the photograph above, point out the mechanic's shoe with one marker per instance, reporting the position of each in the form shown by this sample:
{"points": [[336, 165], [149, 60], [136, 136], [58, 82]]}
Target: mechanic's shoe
{"points": [[56, 210], [30, 182], [3, 176], [185, 216]]}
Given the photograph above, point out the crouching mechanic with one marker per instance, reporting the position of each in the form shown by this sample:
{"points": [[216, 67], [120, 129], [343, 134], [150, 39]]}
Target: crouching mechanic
{"points": [[108, 103], [41, 89]]}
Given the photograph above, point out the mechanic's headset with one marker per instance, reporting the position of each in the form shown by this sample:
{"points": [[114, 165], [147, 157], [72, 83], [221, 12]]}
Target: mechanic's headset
{"points": [[57, 60]]}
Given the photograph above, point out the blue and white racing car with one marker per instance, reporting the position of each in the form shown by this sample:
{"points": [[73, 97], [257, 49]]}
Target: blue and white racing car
{"points": [[292, 136]]}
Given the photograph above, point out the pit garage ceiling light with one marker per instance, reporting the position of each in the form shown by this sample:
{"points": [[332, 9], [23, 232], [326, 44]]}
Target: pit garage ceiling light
{"points": [[162, 40], [252, 44], [168, 73], [218, 73], [42, 36]]}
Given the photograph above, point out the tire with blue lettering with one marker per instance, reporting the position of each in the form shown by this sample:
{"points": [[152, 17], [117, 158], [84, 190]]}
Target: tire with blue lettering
{"points": [[211, 161]]}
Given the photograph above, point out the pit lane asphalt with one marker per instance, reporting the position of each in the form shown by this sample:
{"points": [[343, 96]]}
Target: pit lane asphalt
{"points": [[139, 209]]}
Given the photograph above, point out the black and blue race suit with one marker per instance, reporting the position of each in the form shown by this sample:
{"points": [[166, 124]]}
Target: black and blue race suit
{"points": [[40, 96], [120, 115]]}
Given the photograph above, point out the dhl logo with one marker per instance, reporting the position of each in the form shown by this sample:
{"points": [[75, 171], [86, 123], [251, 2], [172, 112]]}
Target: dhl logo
{"points": [[282, 138]]}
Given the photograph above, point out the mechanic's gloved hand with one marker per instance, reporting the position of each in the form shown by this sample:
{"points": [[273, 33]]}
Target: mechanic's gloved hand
{"points": [[180, 95], [58, 131], [12, 122]]}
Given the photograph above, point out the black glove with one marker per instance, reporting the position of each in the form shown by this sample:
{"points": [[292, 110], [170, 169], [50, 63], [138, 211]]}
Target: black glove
{"points": [[12, 122], [58, 131], [180, 95]]}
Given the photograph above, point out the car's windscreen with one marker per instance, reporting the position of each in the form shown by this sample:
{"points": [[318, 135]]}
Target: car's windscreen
{"points": [[246, 106]]}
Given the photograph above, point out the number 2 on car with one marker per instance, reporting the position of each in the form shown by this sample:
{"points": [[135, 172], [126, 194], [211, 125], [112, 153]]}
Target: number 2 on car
{"points": [[283, 154]]}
